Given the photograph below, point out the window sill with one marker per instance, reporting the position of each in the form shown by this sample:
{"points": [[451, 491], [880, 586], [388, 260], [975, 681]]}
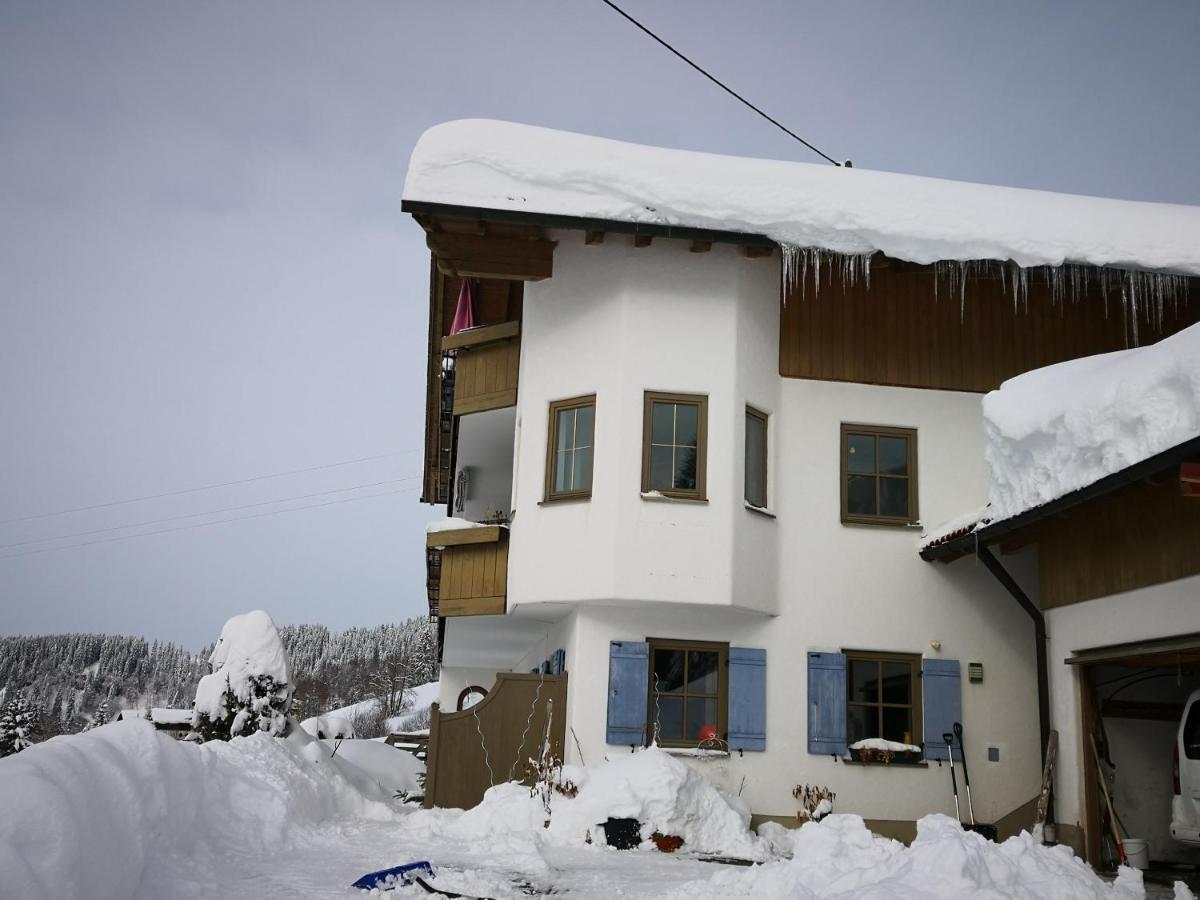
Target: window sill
{"points": [[557, 501], [761, 511], [883, 523], [895, 764], [659, 497], [695, 752]]}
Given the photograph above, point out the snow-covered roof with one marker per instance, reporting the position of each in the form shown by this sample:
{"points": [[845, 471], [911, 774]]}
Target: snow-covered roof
{"points": [[1055, 430], [505, 166]]}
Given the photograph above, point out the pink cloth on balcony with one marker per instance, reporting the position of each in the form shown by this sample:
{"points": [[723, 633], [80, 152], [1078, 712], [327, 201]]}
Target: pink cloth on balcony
{"points": [[464, 313]]}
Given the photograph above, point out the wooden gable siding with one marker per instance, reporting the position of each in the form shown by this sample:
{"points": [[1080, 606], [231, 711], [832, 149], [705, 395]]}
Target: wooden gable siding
{"points": [[899, 332], [497, 301], [1144, 534]]}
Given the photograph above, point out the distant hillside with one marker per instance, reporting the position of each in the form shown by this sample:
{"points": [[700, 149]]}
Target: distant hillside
{"points": [[70, 675]]}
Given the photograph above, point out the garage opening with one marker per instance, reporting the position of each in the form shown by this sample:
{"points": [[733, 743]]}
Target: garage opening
{"points": [[1134, 696]]}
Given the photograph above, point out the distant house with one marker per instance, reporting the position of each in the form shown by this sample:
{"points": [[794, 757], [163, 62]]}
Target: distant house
{"points": [[175, 722], [689, 416]]}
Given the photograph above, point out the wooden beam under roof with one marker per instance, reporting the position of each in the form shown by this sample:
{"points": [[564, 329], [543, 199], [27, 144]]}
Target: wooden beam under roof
{"points": [[593, 237], [700, 246], [755, 251], [642, 240], [492, 256]]}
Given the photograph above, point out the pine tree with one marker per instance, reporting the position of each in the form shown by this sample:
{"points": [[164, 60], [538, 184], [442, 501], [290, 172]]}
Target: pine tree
{"points": [[20, 726]]}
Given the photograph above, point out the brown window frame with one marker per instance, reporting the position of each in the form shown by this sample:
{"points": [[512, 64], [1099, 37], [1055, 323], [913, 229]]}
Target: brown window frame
{"points": [[765, 418], [700, 400], [877, 431], [722, 695], [549, 494], [915, 690]]}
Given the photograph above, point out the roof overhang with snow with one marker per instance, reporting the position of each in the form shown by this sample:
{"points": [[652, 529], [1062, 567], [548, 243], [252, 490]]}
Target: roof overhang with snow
{"points": [[501, 171]]}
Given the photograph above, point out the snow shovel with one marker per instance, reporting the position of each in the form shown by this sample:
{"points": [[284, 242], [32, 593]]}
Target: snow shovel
{"points": [[948, 737], [988, 831]]}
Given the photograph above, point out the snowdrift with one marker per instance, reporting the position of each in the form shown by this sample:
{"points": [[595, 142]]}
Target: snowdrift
{"points": [[1060, 428], [838, 857], [122, 811]]}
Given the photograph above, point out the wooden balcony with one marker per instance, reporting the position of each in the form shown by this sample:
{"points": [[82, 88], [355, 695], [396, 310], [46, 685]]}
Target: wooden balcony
{"points": [[470, 575], [486, 362]]}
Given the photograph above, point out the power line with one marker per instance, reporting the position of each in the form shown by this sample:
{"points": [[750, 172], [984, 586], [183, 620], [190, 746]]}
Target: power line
{"points": [[275, 512], [719, 83], [204, 487], [210, 512]]}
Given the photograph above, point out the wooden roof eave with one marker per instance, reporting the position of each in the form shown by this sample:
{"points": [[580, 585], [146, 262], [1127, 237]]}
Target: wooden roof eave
{"points": [[1007, 529]]}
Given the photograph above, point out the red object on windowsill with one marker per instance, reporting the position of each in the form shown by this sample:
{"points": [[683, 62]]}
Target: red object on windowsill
{"points": [[707, 733]]}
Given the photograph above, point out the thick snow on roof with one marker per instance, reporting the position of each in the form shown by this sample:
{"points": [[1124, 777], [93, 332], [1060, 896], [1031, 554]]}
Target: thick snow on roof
{"points": [[1058, 429], [502, 165]]}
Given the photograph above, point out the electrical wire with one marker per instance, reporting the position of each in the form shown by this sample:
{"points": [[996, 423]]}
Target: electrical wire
{"points": [[210, 512], [275, 512], [719, 83], [206, 487]]}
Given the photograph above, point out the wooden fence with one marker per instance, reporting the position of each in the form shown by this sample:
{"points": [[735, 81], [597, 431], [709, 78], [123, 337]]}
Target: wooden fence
{"points": [[491, 742]]}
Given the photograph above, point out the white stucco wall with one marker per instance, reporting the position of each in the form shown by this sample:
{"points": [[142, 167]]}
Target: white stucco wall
{"points": [[617, 321], [485, 449], [1156, 612]]}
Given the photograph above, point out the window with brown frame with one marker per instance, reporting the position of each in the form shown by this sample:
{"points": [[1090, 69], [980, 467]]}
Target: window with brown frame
{"points": [[674, 444], [879, 475], [756, 457], [569, 448], [688, 691], [883, 697]]}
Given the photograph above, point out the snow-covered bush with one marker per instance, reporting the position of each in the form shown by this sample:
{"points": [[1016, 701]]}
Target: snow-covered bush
{"points": [[250, 686], [19, 726]]}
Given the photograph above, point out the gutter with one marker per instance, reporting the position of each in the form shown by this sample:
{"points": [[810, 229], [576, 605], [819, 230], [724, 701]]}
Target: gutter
{"points": [[583, 223]]}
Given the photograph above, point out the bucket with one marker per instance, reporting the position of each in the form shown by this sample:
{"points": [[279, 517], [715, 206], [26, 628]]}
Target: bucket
{"points": [[1137, 852]]}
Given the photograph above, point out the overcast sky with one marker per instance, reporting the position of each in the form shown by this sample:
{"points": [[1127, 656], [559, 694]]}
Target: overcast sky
{"points": [[205, 276]]}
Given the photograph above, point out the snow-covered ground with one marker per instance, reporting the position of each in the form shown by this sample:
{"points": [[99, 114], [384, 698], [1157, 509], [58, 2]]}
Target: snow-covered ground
{"points": [[419, 700], [125, 812]]}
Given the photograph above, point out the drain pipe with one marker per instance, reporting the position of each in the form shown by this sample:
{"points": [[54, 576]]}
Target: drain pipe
{"points": [[1039, 634]]}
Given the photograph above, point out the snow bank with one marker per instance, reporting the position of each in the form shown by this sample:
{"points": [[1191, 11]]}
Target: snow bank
{"points": [[123, 811], [502, 165], [249, 646], [393, 769], [885, 745], [450, 524], [659, 791], [1060, 428], [838, 857], [329, 726]]}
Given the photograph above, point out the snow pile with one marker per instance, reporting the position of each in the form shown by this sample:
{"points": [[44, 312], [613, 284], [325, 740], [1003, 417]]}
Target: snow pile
{"points": [[506, 166], [663, 794], [250, 665], [1060, 428], [125, 811], [329, 726], [391, 768], [884, 745], [838, 857], [450, 524]]}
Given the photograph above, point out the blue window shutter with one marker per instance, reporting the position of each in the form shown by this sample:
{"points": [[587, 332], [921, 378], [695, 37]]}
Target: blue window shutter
{"points": [[628, 691], [827, 703], [941, 686], [559, 663], [747, 699]]}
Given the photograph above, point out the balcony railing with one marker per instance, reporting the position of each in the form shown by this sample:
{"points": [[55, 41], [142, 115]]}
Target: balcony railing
{"points": [[486, 361], [467, 571]]}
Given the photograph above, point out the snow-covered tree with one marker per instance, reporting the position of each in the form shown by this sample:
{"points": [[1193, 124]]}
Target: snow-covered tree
{"points": [[250, 686], [20, 726]]}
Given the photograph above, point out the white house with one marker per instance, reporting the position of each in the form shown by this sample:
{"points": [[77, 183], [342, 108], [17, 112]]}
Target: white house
{"points": [[706, 409]]}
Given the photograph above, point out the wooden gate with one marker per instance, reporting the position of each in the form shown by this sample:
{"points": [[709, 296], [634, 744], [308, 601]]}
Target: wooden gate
{"points": [[491, 742]]}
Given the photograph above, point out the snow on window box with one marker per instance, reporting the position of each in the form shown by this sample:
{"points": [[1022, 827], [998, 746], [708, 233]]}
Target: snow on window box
{"points": [[878, 750]]}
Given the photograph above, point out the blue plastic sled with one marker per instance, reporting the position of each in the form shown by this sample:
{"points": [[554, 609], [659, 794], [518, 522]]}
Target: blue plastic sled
{"points": [[405, 874]]}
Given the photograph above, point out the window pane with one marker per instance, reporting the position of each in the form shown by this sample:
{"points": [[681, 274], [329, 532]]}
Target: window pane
{"points": [[860, 495], [662, 423], [562, 470], [897, 724], [702, 672], [582, 480], [566, 428], [661, 467], [583, 425], [897, 682], [864, 681], [893, 455], [860, 452], [756, 475], [670, 718], [893, 497], [687, 423], [668, 670], [685, 468], [863, 723], [700, 712]]}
